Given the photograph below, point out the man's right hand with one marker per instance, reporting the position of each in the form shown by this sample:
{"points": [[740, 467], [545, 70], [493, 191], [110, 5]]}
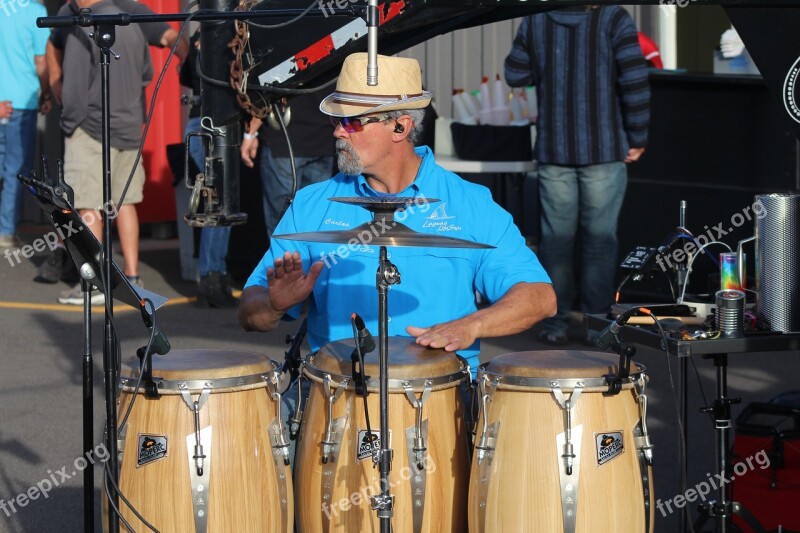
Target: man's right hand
{"points": [[5, 109], [288, 284]]}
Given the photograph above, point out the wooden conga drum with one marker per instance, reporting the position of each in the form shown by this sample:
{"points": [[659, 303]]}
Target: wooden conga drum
{"points": [[554, 452], [335, 476], [206, 456]]}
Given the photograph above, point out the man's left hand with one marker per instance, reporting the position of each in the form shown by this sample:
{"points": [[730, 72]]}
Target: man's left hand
{"points": [[634, 154], [452, 336]]}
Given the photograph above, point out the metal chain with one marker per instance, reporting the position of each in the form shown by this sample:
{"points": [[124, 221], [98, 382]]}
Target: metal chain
{"points": [[238, 47]]}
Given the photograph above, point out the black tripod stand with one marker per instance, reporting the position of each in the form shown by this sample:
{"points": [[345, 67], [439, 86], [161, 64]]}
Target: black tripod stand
{"points": [[724, 509]]}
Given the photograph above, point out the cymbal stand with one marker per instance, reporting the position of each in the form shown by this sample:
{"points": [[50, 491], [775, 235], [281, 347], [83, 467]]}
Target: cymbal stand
{"points": [[386, 276]]}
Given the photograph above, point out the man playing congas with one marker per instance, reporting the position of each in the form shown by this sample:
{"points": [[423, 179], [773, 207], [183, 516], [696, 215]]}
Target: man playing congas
{"points": [[376, 127]]}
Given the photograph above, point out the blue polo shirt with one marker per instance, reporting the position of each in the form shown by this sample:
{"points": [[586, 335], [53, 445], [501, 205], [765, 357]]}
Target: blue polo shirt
{"points": [[20, 40], [437, 284]]}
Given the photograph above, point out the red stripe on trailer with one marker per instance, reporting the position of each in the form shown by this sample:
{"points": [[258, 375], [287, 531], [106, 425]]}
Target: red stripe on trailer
{"points": [[394, 9], [315, 52]]}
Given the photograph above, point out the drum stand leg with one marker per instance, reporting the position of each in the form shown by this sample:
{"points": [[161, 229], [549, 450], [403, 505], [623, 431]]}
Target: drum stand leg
{"points": [[724, 509], [387, 275]]}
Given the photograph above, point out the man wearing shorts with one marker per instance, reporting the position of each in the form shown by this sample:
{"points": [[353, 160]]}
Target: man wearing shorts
{"points": [[73, 62]]}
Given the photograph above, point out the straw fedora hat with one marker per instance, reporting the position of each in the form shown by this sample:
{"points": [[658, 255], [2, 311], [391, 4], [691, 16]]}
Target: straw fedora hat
{"points": [[399, 87]]}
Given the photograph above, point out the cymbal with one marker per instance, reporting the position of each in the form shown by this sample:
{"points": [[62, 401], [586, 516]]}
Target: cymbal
{"points": [[384, 205], [392, 233]]}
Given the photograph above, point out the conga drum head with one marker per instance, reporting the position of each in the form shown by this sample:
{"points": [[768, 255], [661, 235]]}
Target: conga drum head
{"points": [[568, 367], [335, 476], [223, 370], [409, 362], [202, 456], [556, 451]]}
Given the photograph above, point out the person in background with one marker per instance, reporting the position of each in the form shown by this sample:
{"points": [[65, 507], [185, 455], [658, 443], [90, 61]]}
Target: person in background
{"points": [[650, 51], [214, 287], [73, 63], [593, 96], [24, 89], [311, 136]]}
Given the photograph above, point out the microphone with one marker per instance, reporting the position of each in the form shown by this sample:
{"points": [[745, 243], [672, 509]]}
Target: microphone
{"points": [[372, 43], [365, 339], [606, 336]]}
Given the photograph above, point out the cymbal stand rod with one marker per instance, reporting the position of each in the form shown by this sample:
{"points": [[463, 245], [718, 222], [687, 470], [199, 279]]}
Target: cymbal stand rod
{"points": [[386, 275]]}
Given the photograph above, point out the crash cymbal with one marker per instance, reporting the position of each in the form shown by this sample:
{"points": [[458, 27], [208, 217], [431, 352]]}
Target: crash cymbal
{"points": [[380, 233], [384, 205]]}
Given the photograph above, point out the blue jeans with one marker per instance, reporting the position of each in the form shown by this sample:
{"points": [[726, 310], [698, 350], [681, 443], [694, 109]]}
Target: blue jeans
{"points": [[213, 240], [586, 199], [17, 146], [276, 178]]}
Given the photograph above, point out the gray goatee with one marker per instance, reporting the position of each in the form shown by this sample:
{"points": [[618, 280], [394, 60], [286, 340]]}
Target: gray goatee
{"points": [[347, 159]]}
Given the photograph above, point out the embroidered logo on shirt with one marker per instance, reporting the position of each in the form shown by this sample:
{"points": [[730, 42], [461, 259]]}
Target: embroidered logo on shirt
{"points": [[332, 222], [438, 220]]}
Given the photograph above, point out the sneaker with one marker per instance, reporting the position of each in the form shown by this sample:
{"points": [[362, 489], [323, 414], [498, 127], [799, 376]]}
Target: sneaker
{"points": [[136, 281], [53, 267], [74, 296], [213, 290], [9, 241]]}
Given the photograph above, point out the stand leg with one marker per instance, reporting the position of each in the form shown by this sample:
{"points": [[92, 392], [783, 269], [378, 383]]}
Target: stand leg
{"points": [[684, 462], [721, 510], [88, 409]]}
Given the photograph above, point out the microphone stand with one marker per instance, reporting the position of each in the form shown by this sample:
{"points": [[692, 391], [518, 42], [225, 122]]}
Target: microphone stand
{"points": [[104, 36]]}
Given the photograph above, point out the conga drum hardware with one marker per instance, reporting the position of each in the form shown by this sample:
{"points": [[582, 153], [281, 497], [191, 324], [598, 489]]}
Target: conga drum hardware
{"points": [[297, 418], [642, 440], [582, 481], [488, 440], [333, 433], [416, 443]]}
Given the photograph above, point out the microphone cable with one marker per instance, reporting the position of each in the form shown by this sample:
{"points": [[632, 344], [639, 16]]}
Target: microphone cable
{"points": [[153, 99], [675, 402]]}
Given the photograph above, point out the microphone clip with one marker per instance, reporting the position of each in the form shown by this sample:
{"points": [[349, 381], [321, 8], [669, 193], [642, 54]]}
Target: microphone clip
{"points": [[146, 364], [616, 381]]}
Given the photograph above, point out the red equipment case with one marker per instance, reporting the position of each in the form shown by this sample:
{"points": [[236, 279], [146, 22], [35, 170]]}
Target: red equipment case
{"points": [[766, 463]]}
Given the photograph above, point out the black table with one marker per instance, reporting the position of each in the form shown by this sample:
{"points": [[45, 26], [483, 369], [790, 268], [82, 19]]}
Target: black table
{"points": [[718, 350]]}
